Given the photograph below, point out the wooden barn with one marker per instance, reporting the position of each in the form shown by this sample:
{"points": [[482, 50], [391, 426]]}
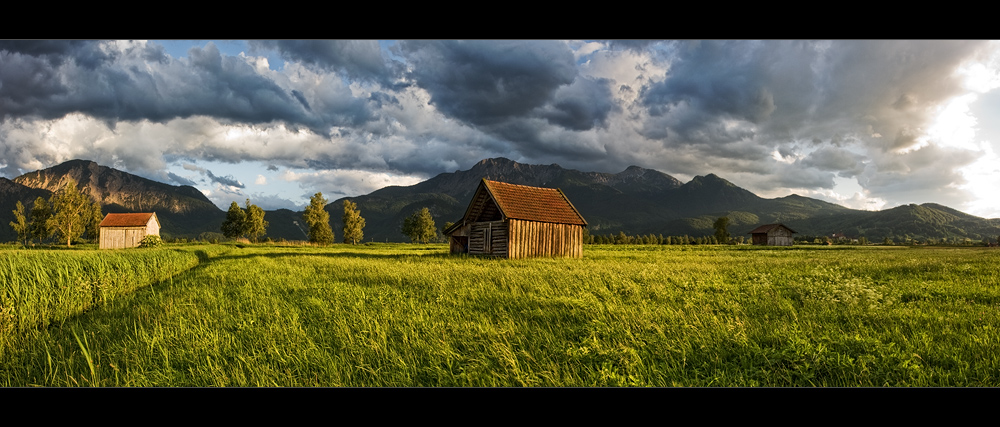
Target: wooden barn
{"points": [[517, 221], [126, 230], [772, 235]]}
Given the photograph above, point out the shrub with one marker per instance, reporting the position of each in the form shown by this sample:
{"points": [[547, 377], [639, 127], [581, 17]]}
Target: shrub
{"points": [[150, 241]]}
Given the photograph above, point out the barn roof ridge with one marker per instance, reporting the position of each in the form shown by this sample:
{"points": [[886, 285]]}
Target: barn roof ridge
{"points": [[525, 202], [768, 227], [531, 203], [136, 219]]}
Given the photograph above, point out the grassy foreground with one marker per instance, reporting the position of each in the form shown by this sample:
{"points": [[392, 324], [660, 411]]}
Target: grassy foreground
{"points": [[410, 315]]}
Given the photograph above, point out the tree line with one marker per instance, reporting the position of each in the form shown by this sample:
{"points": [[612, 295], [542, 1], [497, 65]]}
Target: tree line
{"points": [[419, 227], [658, 239], [721, 237], [67, 215]]}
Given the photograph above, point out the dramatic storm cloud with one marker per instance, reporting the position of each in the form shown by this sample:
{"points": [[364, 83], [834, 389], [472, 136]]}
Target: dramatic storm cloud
{"points": [[869, 124]]}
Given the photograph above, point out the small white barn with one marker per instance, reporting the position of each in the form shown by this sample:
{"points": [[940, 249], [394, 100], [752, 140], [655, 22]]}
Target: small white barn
{"points": [[126, 230]]}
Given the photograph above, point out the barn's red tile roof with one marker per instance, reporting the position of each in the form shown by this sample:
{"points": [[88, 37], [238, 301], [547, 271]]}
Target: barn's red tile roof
{"points": [[533, 203], [768, 227], [128, 219]]}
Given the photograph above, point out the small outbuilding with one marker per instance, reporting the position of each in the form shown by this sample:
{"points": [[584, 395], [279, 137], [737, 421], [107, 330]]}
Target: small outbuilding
{"points": [[126, 230], [518, 221], [772, 235]]}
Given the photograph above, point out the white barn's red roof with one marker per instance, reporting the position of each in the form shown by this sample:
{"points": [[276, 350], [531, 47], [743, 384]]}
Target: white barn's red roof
{"points": [[128, 219]]}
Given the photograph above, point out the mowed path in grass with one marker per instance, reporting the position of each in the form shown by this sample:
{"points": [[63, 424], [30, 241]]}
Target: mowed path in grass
{"points": [[411, 315]]}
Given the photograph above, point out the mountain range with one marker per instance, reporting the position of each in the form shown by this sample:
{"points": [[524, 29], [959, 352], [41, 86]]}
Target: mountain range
{"points": [[634, 201]]}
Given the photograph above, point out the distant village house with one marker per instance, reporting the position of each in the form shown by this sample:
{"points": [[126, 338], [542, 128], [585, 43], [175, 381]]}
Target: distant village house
{"points": [[126, 230], [772, 235], [517, 221]]}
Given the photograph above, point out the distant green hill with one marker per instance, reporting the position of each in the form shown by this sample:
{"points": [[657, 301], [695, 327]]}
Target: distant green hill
{"points": [[644, 201]]}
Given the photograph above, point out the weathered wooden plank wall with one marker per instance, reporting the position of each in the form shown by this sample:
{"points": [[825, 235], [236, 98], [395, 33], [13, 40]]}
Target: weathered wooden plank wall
{"points": [[532, 238], [121, 237]]}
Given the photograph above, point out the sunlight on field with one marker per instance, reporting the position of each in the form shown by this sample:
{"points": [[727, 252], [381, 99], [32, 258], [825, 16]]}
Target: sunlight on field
{"points": [[411, 315]]}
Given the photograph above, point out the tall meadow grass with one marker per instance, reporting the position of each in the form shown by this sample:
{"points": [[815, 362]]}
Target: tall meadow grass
{"points": [[411, 315]]}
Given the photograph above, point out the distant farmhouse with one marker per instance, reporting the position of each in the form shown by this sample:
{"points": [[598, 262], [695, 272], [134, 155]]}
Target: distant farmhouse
{"points": [[517, 221], [772, 235], [126, 230]]}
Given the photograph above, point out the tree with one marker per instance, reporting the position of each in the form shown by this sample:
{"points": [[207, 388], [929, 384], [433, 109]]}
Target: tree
{"points": [[420, 226], [20, 224], [71, 210], [235, 221], [354, 224], [94, 222], [722, 230], [255, 226], [318, 220], [40, 215]]}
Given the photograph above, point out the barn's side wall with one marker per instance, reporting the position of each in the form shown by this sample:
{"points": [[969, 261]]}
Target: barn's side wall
{"points": [[152, 228], [779, 236], [121, 237], [536, 239]]}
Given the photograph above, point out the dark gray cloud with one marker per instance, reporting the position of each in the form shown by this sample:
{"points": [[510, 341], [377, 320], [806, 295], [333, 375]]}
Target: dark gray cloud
{"points": [[358, 59], [123, 87], [803, 90], [717, 79], [488, 82], [85, 53], [833, 159], [180, 179], [225, 180], [302, 99], [580, 106]]}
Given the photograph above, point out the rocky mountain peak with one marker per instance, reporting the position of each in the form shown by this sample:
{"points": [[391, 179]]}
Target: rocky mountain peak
{"points": [[113, 187]]}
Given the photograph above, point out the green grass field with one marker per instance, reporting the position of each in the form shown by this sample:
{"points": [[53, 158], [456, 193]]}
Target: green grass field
{"points": [[411, 315]]}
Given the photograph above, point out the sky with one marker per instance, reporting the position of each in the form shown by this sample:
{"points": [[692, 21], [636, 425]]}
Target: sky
{"points": [[865, 124]]}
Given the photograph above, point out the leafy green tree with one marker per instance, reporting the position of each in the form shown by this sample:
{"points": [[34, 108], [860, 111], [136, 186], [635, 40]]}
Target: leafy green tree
{"points": [[234, 225], [255, 225], [721, 230], [71, 212], [354, 224], [318, 221], [20, 224], [41, 213], [94, 221], [420, 226]]}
